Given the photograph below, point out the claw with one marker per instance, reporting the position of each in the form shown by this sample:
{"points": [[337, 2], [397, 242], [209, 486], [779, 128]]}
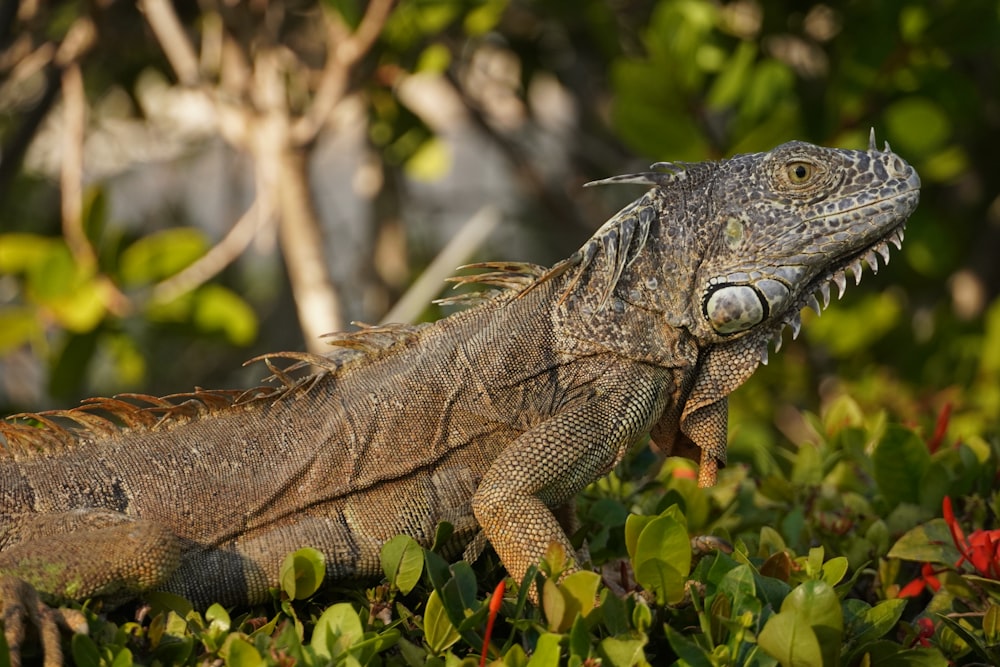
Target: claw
{"points": [[19, 602]]}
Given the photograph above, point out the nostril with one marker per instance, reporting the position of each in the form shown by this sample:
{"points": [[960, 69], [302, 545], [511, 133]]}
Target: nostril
{"points": [[895, 166]]}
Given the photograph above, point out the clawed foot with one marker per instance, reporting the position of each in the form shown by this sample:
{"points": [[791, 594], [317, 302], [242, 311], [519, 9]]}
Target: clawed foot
{"points": [[20, 604]]}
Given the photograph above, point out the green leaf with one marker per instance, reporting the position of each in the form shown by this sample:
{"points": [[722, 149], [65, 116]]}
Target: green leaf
{"points": [[337, 630], [218, 618], [788, 637], [917, 125], [220, 310], [930, 542], [18, 326], [554, 606], [484, 17], [302, 573], [834, 570], [615, 614], [238, 652], [580, 591], [866, 624], [20, 252], [634, 525], [546, 651], [442, 533], [84, 650], [579, 639], [900, 460], [816, 604], [692, 653], [402, 562], [161, 255], [663, 579], [439, 633], [123, 658], [619, 652], [738, 585], [991, 625], [662, 560]]}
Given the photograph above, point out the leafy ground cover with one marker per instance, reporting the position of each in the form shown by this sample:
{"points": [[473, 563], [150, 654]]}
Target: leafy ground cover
{"points": [[869, 547]]}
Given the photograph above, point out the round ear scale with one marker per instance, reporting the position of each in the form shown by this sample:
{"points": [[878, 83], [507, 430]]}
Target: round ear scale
{"points": [[734, 307]]}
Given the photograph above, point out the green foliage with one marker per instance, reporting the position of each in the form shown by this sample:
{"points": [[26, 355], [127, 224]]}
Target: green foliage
{"points": [[302, 572]]}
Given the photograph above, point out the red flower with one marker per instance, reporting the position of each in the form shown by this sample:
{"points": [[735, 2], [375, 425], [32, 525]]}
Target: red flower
{"points": [[981, 549], [925, 630], [927, 579]]}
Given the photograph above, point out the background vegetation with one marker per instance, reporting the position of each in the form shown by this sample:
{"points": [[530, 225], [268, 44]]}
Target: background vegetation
{"points": [[185, 185]]}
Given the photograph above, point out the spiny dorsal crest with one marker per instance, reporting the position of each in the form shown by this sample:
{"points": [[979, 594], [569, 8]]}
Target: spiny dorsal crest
{"points": [[99, 418]]}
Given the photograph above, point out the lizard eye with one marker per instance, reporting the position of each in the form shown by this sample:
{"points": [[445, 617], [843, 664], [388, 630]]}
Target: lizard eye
{"points": [[799, 173]]}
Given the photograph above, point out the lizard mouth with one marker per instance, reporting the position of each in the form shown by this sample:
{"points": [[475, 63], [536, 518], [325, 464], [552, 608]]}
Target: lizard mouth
{"points": [[817, 295]]}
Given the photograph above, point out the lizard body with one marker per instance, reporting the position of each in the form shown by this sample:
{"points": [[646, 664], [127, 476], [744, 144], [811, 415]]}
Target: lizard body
{"points": [[492, 419]]}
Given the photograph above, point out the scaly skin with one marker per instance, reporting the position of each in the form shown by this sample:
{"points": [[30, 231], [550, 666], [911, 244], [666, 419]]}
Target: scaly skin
{"points": [[493, 418]]}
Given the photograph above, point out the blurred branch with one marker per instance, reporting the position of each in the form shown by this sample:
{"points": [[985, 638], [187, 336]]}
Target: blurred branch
{"points": [[458, 251], [78, 40], [344, 50], [563, 211], [169, 33], [219, 256], [25, 63], [71, 166]]}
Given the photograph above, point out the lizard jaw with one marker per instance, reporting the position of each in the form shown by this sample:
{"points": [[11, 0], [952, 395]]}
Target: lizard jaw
{"points": [[817, 295]]}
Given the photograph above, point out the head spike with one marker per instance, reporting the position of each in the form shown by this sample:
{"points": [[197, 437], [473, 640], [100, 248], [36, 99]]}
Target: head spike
{"points": [[871, 141], [887, 149]]}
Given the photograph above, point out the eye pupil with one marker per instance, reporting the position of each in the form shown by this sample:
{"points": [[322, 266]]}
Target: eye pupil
{"points": [[799, 172]]}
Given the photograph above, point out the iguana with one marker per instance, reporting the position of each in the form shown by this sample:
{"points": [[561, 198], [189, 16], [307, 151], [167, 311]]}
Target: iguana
{"points": [[491, 419]]}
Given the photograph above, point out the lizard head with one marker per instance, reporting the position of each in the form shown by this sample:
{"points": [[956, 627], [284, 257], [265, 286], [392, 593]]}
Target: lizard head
{"points": [[791, 222]]}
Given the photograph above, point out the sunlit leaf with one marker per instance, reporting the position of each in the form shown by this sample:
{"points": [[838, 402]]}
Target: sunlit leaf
{"points": [[220, 310], [338, 629], [302, 573], [439, 633], [161, 254], [402, 562]]}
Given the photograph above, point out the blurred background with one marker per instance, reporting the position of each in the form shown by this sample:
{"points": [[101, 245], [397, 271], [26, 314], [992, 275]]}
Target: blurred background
{"points": [[186, 185]]}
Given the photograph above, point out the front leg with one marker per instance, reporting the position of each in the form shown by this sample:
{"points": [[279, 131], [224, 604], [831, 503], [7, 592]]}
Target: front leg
{"points": [[549, 464]]}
